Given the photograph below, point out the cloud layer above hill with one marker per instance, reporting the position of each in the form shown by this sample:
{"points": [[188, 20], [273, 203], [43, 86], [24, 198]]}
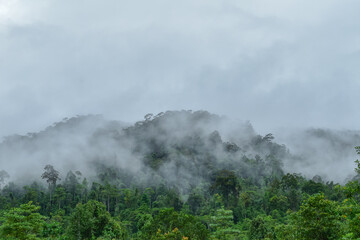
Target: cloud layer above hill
{"points": [[277, 63]]}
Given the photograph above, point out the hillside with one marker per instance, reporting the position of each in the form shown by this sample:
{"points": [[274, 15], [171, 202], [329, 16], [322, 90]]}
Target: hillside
{"points": [[175, 175], [180, 148]]}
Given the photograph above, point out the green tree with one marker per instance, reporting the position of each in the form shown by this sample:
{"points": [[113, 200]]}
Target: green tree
{"points": [[31, 194], [226, 183], [195, 201], [59, 195], [318, 218], [92, 220], [51, 176], [70, 184], [22, 223], [262, 227], [222, 225], [168, 219], [279, 202], [84, 190], [312, 187], [175, 234]]}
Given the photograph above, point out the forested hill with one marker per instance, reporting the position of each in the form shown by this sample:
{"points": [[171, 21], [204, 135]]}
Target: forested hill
{"points": [[179, 148], [176, 175]]}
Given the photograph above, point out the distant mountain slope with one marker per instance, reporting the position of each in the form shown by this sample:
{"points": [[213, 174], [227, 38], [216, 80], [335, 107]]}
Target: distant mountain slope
{"points": [[177, 148], [325, 152]]}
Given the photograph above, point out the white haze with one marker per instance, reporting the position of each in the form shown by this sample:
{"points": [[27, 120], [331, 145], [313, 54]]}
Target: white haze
{"points": [[79, 143], [67, 146], [328, 153]]}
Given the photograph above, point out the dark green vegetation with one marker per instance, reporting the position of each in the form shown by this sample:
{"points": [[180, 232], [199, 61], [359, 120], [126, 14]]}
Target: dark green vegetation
{"points": [[178, 175]]}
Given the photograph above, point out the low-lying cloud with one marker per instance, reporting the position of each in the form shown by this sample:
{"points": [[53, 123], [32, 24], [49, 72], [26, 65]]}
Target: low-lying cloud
{"points": [[276, 64]]}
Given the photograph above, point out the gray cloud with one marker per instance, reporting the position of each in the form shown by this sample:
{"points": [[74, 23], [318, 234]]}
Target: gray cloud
{"points": [[276, 64]]}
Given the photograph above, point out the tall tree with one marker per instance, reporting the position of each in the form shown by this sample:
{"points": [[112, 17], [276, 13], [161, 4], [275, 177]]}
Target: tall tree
{"points": [[51, 176], [227, 184], [71, 184]]}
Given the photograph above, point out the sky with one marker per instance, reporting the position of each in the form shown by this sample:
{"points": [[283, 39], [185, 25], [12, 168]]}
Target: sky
{"points": [[279, 64]]}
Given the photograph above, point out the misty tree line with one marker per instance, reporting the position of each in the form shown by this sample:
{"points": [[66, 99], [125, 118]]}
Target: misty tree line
{"points": [[191, 185], [288, 207]]}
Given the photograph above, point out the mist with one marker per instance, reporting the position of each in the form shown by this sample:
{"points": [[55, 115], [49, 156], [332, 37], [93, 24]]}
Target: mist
{"points": [[286, 68], [91, 143], [326, 152], [176, 148]]}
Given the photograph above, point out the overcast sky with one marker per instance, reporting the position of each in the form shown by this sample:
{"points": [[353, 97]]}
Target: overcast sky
{"points": [[277, 63]]}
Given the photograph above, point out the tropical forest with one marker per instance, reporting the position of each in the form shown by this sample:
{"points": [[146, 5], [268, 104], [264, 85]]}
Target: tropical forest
{"points": [[175, 175]]}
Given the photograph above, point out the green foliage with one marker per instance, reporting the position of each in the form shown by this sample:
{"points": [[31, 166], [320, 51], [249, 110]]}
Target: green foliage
{"points": [[222, 219], [195, 202], [318, 218], [23, 222], [168, 219], [279, 202], [226, 183], [92, 220], [175, 234], [52, 230], [311, 187], [192, 186], [262, 227], [222, 225]]}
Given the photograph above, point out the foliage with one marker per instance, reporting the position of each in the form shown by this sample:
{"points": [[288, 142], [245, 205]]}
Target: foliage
{"points": [[222, 225], [168, 219], [23, 222], [192, 185], [318, 218], [92, 220]]}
